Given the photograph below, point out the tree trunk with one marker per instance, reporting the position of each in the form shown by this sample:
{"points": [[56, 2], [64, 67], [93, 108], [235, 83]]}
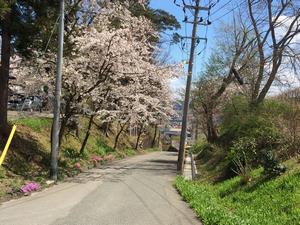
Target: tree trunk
{"points": [[158, 139], [64, 121], [106, 129], [4, 73], [139, 136], [197, 130], [118, 135], [87, 135], [212, 133], [154, 138]]}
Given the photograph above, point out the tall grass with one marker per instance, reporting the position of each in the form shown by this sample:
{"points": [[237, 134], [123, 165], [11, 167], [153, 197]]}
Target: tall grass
{"points": [[271, 202]]}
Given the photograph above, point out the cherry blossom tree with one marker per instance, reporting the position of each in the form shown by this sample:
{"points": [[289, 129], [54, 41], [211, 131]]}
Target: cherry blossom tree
{"points": [[116, 72], [112, 74]]}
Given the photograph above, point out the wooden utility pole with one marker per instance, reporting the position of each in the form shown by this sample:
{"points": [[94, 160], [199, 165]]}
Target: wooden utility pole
{"points": [[194, 39], [56, 116]]}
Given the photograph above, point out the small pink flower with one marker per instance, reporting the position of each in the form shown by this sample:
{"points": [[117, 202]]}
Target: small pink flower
{"points": [[77, 165], [96, 159]]}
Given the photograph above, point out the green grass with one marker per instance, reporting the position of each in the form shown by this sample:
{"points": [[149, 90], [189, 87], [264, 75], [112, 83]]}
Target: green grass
{"points": [[102, 148], [130, 152], [155, 149], [261, 202], [36, 124]]}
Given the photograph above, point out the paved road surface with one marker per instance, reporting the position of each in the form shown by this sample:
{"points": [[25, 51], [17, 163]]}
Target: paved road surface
{"points": [[136, 191]]}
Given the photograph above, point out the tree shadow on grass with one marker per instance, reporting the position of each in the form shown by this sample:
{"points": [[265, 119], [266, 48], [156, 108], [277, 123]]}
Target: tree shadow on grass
{"points": [[26, 157], [231, 190], [250, 187], [255, 185]]}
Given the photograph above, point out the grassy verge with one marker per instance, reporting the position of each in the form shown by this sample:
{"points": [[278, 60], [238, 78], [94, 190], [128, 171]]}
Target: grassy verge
{"points": [[267, 202], [33, 123]]}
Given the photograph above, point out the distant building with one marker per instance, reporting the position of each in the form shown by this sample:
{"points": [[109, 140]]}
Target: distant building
{"points": [[176, 120]]}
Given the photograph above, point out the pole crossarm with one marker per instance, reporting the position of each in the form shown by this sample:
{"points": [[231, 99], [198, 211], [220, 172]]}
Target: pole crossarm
{"points": [[199, 23], [202, 8], [197, 38]]}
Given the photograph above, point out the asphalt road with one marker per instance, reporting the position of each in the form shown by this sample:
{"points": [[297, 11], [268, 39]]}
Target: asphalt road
{"points": [[135, 191]]}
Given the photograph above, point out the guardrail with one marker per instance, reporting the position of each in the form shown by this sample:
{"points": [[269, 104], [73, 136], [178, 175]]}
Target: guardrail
{"points": [[193, 166]]}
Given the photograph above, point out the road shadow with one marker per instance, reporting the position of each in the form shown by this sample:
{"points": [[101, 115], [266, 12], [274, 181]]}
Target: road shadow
{"points": [[162, 161], [117, 173], [109, 173]]}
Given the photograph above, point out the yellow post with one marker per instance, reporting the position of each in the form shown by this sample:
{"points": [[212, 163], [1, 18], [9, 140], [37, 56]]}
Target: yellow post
{"points": [[7, 144]]}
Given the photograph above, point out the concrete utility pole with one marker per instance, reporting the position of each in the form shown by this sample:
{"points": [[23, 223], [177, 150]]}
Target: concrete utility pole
{"points": [[181, 154], [56, 112]]}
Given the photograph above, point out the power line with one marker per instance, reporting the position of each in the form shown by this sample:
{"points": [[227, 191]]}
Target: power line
{"points": [[51, 34], [225, 14], [221, 7]]}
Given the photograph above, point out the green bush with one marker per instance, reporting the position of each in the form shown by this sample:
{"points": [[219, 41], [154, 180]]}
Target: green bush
{"points": [[102, 148], [200, 146], [251, 134], [130, 152], [271, 164], [71, 153], [245, 149], [204, 150]]}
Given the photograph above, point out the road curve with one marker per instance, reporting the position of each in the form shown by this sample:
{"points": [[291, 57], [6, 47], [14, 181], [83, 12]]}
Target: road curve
{"points": [[135, 191]]}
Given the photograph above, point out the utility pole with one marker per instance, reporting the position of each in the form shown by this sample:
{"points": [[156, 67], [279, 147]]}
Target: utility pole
{"points": [[56, 112], [194, 39]]}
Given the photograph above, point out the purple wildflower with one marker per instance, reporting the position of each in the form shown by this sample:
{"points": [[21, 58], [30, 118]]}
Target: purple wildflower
{"points": [[30, 187]]}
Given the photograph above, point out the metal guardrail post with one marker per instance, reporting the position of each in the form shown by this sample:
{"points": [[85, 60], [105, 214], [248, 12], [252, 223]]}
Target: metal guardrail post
{"points": [[193, 165]]}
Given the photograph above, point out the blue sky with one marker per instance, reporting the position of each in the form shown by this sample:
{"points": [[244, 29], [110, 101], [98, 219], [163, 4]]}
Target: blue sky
{"points": [[221, 12]]}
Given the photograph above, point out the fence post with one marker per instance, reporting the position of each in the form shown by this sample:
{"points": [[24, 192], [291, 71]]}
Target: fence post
{"points": [[193, 165], [7, 144]]}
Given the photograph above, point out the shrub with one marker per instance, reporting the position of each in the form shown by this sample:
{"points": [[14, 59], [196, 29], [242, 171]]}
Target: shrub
{"points": [[243, 169], [130, 152], [204, 150], [272, 166], [71, 153], [258, 151], [200, 145], [102, 148], [244, 149], [251, 134]]}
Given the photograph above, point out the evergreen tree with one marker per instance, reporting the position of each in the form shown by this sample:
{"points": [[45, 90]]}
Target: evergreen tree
{"points": [[26, 26]]}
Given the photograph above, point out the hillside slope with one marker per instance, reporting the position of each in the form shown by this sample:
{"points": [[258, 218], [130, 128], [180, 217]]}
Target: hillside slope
{"points": [[28, 158]]}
